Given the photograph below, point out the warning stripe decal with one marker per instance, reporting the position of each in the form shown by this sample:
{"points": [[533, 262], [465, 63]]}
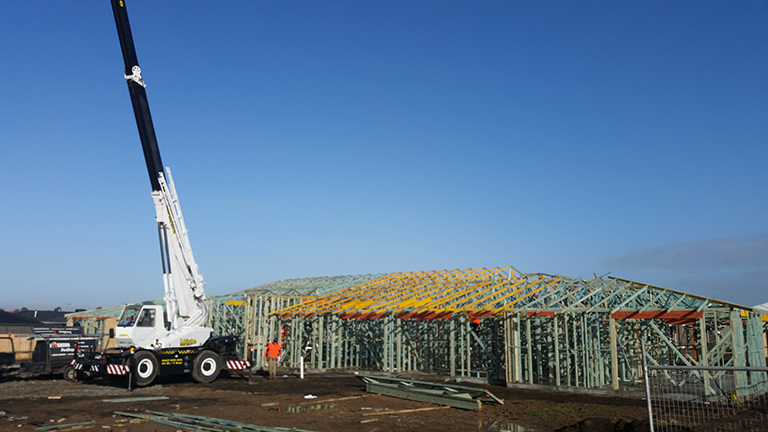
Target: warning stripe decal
{"points": [[117, 369], [238, 364], [110, 369]]}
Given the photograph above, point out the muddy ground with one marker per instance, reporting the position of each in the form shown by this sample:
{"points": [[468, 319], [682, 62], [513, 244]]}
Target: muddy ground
{"points": [[33, 403]]}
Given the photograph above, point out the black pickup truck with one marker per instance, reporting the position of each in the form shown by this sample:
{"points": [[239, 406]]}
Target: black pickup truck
{"points": [[54, 355]]}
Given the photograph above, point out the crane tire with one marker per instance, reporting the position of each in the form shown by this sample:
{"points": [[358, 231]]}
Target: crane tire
{"points": [[145, 368], [206, 367]]}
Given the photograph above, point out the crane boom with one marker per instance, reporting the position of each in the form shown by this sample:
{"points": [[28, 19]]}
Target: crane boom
{"points": [[138, 93], [183, 285]]}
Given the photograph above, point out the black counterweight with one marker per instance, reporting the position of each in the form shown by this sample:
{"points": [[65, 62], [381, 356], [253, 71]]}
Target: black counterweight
{"points": [[138, 95]]}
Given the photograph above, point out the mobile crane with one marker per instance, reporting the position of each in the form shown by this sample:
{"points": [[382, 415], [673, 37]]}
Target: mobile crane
{"points": [[152, 340]]}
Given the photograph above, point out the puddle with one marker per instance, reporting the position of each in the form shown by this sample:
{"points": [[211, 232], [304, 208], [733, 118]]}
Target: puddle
{"points": [[308, 408], [497, 426]]}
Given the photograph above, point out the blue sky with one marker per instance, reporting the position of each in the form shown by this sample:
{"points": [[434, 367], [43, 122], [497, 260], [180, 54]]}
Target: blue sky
{"points": [[312, 138]]}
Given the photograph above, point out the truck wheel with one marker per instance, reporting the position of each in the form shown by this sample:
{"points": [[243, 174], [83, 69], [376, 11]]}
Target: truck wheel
{"points": [[145, 368], [70, 374], [207, 366]]}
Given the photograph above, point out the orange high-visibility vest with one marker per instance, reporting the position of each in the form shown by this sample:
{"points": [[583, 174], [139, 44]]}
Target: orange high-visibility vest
{"points": [[273, 350]]}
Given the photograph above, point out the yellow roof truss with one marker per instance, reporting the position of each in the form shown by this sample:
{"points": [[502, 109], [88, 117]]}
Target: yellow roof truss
{"points": [[429, 294]]}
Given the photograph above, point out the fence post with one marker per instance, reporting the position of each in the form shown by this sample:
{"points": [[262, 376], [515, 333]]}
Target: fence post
{"points": [[614, 354], [738, 352], [704, 354], [646, 380]]}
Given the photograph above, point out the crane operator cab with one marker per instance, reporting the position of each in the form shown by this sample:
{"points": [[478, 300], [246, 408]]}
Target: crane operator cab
{"points": [[141, 326], [147, 326]]}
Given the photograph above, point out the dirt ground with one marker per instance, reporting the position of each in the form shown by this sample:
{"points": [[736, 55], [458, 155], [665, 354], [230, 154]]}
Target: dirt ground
{"points": [[33, 403]]}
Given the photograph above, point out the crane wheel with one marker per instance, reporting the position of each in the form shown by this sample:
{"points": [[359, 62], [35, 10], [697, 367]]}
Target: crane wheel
{"points": [[146, 367], [206, 367]]}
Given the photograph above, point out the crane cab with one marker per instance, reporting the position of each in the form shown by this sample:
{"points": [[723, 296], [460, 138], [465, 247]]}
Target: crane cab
{"points": [[141, 326], [147, 327]]}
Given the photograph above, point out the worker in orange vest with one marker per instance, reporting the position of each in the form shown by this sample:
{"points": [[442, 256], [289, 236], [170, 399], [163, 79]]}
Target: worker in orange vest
{"points": [[475, 325], [273, 353]]}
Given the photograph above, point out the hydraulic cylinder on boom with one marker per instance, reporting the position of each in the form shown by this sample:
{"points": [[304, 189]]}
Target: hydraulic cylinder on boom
{"points": [[154, 340]]}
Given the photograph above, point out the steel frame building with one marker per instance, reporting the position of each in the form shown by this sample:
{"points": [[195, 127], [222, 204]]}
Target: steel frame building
{"points": [[522, 328], [497, 323]]}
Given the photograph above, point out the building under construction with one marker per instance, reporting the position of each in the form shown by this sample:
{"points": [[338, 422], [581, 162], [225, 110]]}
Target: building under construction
{"points": [[495, 323]]}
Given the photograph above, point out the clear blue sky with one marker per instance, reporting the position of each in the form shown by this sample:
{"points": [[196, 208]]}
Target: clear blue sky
{"points": [[313, 138]]}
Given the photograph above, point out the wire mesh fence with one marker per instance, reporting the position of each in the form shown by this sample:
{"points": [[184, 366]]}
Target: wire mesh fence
{"points": [[700, 398]]}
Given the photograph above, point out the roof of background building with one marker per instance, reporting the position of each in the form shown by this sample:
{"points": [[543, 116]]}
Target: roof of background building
{"points": [[17, 329], [13, 323], [45, 316], [16, 318]]}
